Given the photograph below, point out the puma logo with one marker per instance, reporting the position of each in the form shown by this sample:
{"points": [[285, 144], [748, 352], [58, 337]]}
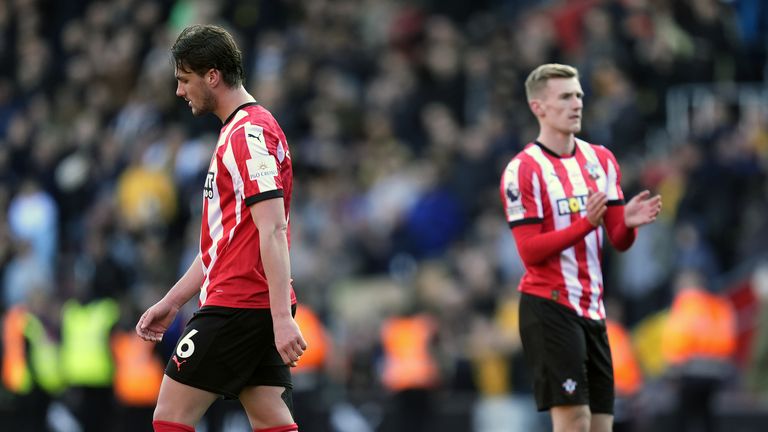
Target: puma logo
{"points": [[256, 137], [178, 363]]}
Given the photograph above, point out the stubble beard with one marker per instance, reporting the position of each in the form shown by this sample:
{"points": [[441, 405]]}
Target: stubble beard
{"points": [[207, 105]]}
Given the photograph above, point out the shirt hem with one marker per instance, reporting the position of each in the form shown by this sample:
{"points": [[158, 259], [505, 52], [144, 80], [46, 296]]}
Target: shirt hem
{"points": [[240, 305]]}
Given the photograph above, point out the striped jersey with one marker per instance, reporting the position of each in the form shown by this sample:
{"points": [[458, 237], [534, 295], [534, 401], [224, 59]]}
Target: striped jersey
{"points": [[251, 163], [539, 186]]}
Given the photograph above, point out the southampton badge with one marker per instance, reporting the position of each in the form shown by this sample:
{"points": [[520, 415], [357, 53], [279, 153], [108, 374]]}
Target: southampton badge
{"points": [[569, 386], [593, 170]]}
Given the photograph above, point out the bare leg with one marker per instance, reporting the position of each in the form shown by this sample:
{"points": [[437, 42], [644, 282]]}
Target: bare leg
{"points": [[180, 403], [573, 418], [601, 423], [265, 407]]}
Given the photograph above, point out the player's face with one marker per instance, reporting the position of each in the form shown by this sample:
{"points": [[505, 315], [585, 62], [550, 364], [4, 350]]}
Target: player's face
{"points": [[560, 105], [194, 89]]}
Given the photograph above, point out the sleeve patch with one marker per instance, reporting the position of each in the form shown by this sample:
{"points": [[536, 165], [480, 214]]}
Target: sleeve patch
{"points": [[513, 204], [261, 166]]}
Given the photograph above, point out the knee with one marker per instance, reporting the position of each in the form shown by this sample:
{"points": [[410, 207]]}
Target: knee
{"points": [[267, 406], [572, 419], [163, 412], [580, 422], [169, 412]]}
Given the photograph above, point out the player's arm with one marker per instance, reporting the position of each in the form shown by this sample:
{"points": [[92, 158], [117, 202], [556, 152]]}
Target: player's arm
{"points": [[620, 235], [188, 285], [536, 246], [155, 321], [269, 217]]}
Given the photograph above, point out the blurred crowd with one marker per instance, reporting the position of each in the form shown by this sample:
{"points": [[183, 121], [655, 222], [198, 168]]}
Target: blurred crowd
{"points": [[400, 117]]}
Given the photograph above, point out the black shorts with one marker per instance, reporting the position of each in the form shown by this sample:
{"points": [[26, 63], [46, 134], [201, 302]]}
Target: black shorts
{"points": [[223, 350], [568, 354]]}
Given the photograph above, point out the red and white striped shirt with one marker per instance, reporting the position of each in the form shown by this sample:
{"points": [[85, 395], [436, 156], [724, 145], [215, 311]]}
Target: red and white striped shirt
{"points": [[251, 163], [540, 187]]}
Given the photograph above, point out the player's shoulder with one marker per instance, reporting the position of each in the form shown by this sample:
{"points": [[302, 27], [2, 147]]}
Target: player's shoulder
{"points": [[599, 149], [256, 118], [257, 111], [602, 153], [524, 157], [263, 118], [254, 114]]}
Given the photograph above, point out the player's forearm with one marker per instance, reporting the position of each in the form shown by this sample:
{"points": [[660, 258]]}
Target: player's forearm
{"points": [[188, 285], [277, 268], [620, 235], [536, 247]]}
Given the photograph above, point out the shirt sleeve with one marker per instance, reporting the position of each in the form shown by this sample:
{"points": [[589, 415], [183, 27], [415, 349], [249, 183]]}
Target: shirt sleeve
{"points": [[257, 164], [536, 247], [620, 235], [520, 190]]}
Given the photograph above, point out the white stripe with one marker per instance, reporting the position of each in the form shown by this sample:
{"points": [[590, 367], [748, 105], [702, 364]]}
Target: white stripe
{"points": [[599, 234], [537, 195], [568, 265], [612, 190], [215, 227], [237, 185], [576, 177], [595, 273]]}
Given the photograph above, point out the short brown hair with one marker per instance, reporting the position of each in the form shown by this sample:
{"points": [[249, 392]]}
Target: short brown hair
{"points": [[200, 48], [538, 78]]}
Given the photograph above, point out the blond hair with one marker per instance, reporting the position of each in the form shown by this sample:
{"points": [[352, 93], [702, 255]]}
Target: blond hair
{"points": [[537, 79]]}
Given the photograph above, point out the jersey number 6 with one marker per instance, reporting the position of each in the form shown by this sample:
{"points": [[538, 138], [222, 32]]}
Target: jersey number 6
{"points": [[186, 347]]}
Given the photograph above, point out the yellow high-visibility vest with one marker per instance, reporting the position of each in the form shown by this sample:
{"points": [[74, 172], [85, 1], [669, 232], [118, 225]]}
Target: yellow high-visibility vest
{"points": [[43, 357], [86, 357]]}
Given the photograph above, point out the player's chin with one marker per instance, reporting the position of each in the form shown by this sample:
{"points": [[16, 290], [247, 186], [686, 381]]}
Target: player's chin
{"points": [[197, 112]]}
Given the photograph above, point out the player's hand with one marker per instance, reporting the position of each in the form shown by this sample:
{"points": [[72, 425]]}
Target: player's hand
{"points": [[156, 320], [642, 209], [596, 207], [288, 340]]}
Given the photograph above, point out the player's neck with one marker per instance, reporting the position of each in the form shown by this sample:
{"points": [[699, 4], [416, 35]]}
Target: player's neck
{"points": [[559, 143], [230, 100]]}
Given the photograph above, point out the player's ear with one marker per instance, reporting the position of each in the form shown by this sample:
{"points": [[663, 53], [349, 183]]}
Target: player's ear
{"points": [[212, 77], [536, 107]]}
